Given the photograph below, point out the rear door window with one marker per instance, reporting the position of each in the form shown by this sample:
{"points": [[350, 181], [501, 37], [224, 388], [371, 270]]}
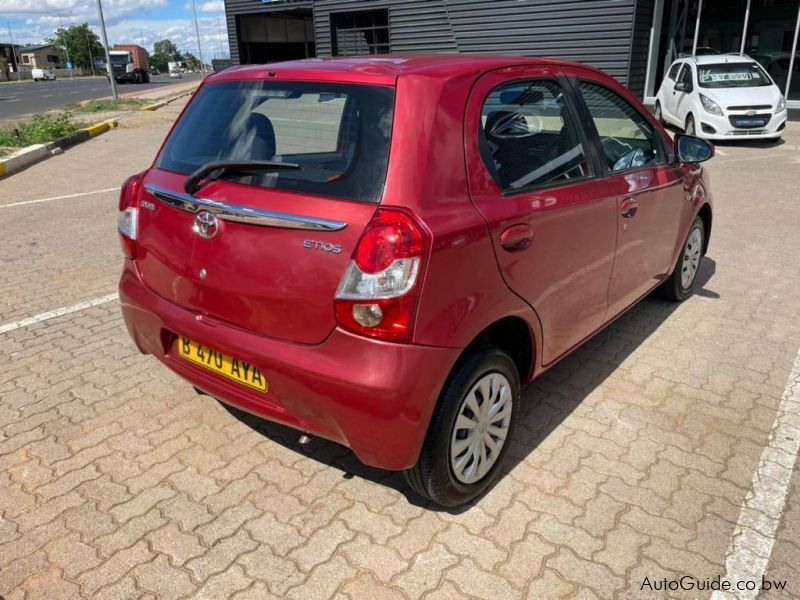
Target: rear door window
{"points": [[339, 135], [529, 136]]}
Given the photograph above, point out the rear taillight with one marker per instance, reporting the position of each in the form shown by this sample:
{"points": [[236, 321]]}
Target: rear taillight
{"points": [[378, 293], [128, 221]]}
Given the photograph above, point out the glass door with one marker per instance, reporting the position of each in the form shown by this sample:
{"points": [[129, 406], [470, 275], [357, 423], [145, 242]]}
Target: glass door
{"points": [[770, 38]]}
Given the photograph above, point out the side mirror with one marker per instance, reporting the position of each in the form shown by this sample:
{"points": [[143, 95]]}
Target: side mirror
{"points": [[683, 87], [691, 149]]}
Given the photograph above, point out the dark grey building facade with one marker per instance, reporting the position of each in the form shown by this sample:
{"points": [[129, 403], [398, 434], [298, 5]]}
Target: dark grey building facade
{"points": [[609, 34], [632, 40]]}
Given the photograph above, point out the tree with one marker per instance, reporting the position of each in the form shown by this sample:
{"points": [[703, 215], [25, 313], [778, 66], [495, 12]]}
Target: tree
{"points": [[168, 49], [192, 62], [159, 62], [79, 39]]}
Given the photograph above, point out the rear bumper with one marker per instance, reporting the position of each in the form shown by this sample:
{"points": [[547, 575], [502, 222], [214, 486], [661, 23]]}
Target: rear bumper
{"points": [[374, 397]]}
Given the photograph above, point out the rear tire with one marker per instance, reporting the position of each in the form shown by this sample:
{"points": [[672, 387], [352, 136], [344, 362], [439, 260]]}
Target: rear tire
{"points": [[680, 284], [464, 449]]}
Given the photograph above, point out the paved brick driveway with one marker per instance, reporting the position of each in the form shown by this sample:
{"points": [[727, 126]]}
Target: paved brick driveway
{"points": [[634, 458]]}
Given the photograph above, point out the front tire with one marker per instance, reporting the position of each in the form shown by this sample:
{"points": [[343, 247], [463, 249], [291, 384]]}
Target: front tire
{"points": [[680, 284], [470, 430], [690, 128], [658, 113]]}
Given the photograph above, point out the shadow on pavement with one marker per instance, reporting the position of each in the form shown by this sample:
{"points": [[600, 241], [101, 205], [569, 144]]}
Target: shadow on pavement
{"points": [[546, 401]]}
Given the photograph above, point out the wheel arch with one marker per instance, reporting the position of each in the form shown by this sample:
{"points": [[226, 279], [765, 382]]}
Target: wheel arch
{"points": [[513, 335]]}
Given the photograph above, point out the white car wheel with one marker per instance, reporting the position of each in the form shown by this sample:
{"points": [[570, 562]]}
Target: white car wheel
{"points": [[658, 114]]}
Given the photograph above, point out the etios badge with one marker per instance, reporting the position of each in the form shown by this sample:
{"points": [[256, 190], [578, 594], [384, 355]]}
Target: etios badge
{"points": [[206, 224]]}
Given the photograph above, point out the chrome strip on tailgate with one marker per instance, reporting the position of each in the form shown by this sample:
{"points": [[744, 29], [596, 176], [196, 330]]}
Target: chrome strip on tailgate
{"points": [[243, 214]]}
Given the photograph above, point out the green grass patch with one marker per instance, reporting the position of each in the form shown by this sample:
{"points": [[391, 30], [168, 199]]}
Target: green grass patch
{"points": [[94, 106], [39, 130]]}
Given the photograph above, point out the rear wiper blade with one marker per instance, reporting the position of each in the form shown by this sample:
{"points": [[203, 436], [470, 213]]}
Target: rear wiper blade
{"points": [[192, 183]]}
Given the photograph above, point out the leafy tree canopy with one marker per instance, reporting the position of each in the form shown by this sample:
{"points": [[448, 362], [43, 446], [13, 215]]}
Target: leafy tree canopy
{"points": [[167, 48], [80, 42]]}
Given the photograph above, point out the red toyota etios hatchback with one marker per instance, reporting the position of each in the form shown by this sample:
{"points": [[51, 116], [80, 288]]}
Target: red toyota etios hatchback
{"points": [[380, 251]]}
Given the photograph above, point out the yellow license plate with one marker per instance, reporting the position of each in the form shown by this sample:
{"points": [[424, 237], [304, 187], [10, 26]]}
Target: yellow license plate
{"points": [[213, 360]]}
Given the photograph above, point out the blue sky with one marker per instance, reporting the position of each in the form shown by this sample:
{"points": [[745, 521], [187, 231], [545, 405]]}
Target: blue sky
{"points": [[140, 22]]}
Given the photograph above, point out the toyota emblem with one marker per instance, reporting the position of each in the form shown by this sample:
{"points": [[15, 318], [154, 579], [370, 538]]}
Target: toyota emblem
{"points": [[206, 225]]}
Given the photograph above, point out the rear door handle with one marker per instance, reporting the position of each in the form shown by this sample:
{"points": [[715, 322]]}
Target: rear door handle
{"points": [[516, 238], [628, 208]]}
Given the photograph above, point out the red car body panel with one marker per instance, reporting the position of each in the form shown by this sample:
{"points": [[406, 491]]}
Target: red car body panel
{"points": [[255, 277], [346, 389], [581, 270]]}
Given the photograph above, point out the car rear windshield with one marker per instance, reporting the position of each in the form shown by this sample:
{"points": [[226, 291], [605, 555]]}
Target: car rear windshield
{"points": [[339, 135], [724, 75]]}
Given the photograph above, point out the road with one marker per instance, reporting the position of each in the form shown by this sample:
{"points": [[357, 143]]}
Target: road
{"points": [[27, 97], [665, 447]]}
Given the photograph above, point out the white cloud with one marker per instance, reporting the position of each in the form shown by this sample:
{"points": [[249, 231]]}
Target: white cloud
{"points": [[127, 22], [216, 6]]}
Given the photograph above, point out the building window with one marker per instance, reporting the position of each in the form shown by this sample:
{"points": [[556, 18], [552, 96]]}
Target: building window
{"points": [[26, 59], [355, 33]]}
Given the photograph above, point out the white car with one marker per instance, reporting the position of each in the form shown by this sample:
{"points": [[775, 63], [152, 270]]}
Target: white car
{"points": [[721, 97], [42, 74]]}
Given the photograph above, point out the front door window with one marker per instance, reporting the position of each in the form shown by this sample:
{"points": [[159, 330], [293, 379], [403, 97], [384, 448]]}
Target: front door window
{"points": [[629, 141]]}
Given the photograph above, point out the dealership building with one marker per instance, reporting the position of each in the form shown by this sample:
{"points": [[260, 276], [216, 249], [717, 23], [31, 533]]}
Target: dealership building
{"points": [[633, 40]]}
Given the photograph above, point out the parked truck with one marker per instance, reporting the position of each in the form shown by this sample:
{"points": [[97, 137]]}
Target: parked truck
{"points": [[129, 63]]}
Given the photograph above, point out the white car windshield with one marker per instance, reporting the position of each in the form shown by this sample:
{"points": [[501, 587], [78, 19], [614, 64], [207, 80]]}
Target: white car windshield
{"points": [[725, 75]]}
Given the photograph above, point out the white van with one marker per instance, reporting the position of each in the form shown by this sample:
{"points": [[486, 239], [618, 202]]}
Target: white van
{"points": [[42, 74]]}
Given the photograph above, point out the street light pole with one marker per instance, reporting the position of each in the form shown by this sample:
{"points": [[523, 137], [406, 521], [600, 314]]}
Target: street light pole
{"points": [[197, 32], [89, 45], [109, 68], [14, 53], [66, 48]]}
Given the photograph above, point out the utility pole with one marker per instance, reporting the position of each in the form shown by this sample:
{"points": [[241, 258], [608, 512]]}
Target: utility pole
{"points": [[14, 53], [197, 32], [66, 48], [109, 68], [219, 35], [89, 45]]}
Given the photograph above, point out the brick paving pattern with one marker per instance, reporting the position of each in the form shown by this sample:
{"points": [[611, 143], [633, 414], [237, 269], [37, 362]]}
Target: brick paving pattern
{"points": [[632, 459]]}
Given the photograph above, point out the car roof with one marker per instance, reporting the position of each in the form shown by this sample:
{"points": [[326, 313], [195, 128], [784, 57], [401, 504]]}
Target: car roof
{"points": [[715, 59], [385, 69]]}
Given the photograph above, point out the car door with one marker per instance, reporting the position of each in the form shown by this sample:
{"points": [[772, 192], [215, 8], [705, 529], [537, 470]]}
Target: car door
{"points": [[683, 99], [668, 94], [535, 181], [647, 183]]}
